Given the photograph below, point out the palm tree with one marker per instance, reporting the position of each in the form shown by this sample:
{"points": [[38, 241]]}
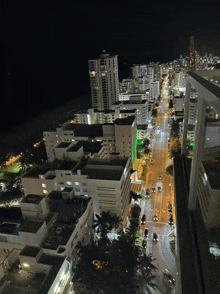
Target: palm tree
{"points": [[135, 196], [105, 223]]}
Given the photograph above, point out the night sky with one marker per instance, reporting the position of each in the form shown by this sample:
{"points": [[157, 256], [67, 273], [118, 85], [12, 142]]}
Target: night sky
{"points": [[47, 44]]}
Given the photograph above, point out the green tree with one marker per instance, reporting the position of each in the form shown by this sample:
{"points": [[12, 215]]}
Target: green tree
{"points": [[174, 128], [175, 148], [171, 104], [169, 170], [154, 112], [135, 196], [146, 143]]}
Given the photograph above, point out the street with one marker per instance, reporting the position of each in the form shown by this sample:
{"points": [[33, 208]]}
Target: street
{"points": [[158, 202]]}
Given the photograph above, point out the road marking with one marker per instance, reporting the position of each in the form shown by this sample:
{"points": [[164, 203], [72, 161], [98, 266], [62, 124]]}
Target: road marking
{"points": [[156, 222]]}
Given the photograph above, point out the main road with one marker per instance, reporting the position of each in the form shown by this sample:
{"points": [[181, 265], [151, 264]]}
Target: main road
{"points": [[159, 200]]}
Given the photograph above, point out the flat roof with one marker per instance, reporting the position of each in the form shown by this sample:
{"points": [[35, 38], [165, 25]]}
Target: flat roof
{"points": [[105, 169], [129, 102], [125, 121], [212, 169], [8, 228], [65, 165], [65, 222], [31, 251], [31, 226], [63, 145], [32, 198], [92, 147], [84, 130]]}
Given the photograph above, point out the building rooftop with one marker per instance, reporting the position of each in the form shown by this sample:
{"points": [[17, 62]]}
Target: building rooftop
{"points": [[65, 223], [130, 102], [84, 130], [22, 281], [32, 198], [31, 226], [105, 169], [63, 145], [93, 147], [213, 173], [8, 228], [30, 251], [125, 121]]}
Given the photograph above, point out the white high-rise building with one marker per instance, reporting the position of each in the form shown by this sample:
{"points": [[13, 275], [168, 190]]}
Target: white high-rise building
{"points": [[104, 82]]}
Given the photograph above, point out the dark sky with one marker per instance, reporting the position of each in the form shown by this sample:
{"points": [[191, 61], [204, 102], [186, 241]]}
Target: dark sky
{"points": [[47, 44]]}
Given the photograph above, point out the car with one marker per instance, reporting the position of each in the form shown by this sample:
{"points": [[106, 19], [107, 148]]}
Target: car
{"points": [[169, 277], [146, 232], [147, 195], [143, 219], [155, 218], [170, 209], [159, 188], [171, 219], [144, 243], [153, 190], [159, 178], [151, 161], [155, 237]]}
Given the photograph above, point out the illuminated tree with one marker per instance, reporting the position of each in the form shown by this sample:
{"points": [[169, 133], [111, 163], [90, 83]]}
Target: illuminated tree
{"points": [[175, 148], [169, 170], [135, 196]]}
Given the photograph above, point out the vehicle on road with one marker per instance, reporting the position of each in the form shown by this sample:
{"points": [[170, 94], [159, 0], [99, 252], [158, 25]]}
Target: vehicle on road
{"points": [[159, 188], [155, 218], [147, 195], [146, 232], [169, 277], [159, 178], [143, 219], [155, 237], [170, 209], [171, 219], [153, 190], [144, 244], [151, 161]]}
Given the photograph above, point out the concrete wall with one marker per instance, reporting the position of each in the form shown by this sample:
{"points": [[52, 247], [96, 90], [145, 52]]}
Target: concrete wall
{"points": [[34, 186]]}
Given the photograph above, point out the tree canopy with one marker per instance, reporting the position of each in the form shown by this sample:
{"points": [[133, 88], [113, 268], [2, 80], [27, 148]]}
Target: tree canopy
{"points": [[116, 266]]}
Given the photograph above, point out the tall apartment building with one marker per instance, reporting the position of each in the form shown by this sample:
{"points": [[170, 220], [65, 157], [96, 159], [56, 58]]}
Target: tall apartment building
{"points": [[104, 81], [154, 90], [197, 194]]}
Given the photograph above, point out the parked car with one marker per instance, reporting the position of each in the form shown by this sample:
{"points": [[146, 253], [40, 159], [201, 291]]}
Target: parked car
{"points": [[147, 195], [143, 219], [155, 237], [144, 244], [170, 209], [169, 277], [146, 232], [171, 219], [153, 190], [159, 188], [155, 218], [151, 161], [159, 178]]}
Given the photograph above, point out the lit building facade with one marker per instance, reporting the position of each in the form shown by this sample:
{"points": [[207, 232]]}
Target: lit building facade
{"points": [[104, 81]]}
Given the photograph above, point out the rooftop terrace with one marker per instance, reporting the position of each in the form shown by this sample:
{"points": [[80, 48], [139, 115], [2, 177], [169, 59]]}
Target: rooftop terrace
{"points": [[31, 226], [84, 130], [30, 251], [93, 147], [32, 198]]}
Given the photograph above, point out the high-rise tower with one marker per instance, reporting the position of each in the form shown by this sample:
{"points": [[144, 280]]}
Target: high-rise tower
{"points": [[192, 57], [104, 82]]}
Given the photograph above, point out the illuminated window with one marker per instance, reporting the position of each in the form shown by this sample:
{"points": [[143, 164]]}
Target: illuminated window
{"points": [[69, 183], [76, 183], [45, 191], [44, 185]]}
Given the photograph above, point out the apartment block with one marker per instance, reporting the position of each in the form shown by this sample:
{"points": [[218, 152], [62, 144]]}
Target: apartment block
{"points": [[109, 185], [94, 116], [104, 82], [140, 106]]}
